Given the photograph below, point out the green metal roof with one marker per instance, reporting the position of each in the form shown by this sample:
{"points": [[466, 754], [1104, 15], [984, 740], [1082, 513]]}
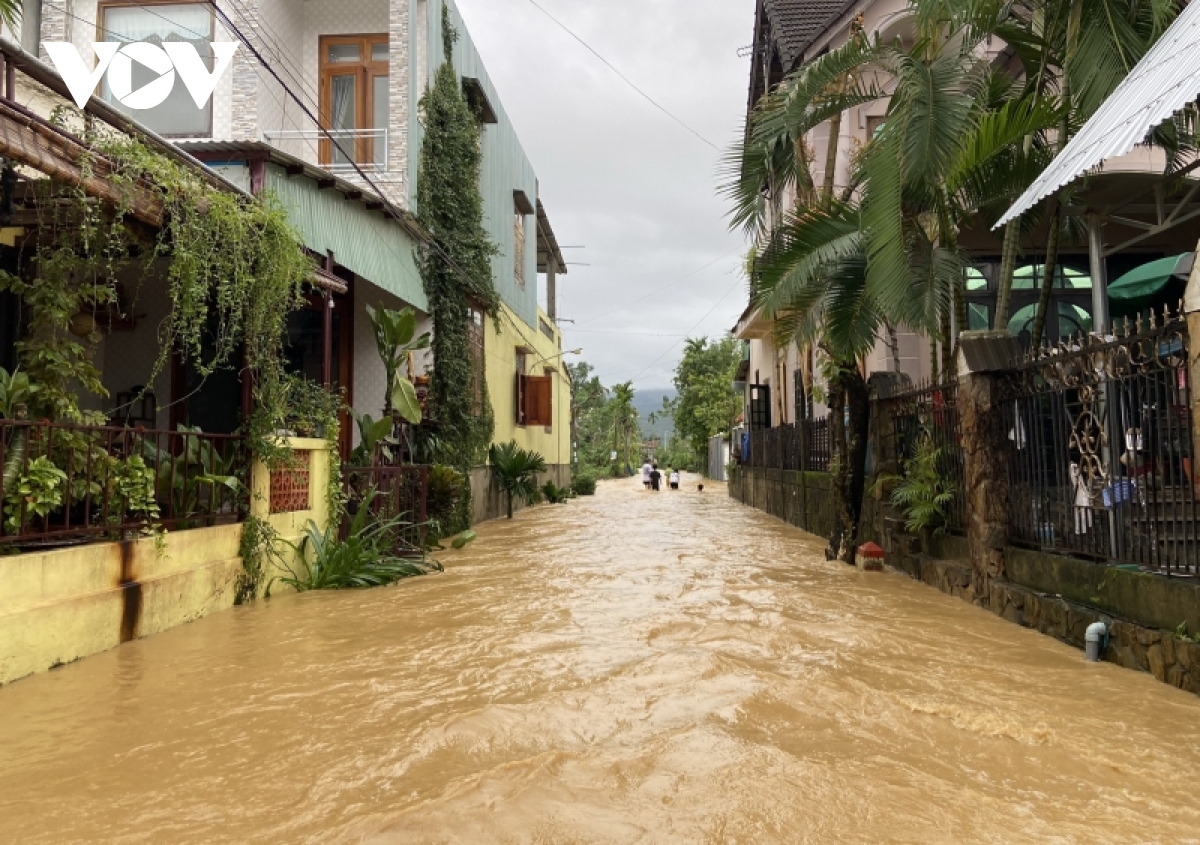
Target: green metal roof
{"points": [[374, 247]]}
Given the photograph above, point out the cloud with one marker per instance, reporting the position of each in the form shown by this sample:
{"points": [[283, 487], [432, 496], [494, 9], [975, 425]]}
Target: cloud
{"points": [[621, 177]]}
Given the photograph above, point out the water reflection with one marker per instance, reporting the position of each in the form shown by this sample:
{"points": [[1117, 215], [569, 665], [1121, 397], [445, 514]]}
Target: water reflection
{"points": [[633, 668]]}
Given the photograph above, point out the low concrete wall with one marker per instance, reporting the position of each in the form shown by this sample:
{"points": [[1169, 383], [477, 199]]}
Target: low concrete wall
{"points": [[58, 606], [489, 500], [1146, 598]]}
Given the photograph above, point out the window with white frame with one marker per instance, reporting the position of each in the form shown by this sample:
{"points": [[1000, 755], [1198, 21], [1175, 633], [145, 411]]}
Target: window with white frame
{"points": [[157, 24]]}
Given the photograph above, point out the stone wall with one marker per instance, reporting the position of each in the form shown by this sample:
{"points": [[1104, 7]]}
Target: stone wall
{"points": [[1052, 594], [802, 499], [1159, 652]]}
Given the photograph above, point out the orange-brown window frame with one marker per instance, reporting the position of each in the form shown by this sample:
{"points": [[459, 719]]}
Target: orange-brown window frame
{"points": [[365, 71]]}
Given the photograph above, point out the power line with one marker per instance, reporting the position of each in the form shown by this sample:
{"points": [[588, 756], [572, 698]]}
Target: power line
{"points": [[660, 290], [671, 348], [624, 78], [244, 39], [626, 334]]}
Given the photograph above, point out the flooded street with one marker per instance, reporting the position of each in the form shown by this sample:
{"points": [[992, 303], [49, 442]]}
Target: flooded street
{"points": [[629, 668]]}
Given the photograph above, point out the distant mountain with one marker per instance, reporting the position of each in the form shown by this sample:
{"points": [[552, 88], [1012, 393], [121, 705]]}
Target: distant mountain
{"points": [[648, 402]]}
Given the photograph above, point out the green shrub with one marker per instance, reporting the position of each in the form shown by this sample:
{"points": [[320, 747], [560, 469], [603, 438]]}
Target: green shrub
{"points": [[554, 494], [366, 558], [446, 487], [922, 493], [584, 484], [37, 492]]}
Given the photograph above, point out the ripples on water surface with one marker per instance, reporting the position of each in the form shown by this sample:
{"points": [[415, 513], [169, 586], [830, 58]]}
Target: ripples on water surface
{"points": [[633, 668]]}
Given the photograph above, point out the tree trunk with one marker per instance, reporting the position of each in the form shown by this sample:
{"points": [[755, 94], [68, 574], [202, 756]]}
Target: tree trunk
{"points": [[852, 406], [509, 496], [831, 156], [1049, 270], [894, 347], [947, 352], [1008, 264]]}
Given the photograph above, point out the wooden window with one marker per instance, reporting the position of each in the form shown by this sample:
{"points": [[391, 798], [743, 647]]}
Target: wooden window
{"points": [[533, 395], [192, 23], [539, 400], [354, 100]]}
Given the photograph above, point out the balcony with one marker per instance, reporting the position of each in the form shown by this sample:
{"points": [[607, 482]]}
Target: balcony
{"points": [[340, 151]]}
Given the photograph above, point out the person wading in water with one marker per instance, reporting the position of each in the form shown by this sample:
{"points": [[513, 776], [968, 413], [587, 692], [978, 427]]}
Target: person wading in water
{"points": [[655, 478]]}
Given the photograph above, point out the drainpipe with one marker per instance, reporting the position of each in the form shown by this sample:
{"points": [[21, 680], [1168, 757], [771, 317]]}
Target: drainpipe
{"points": [[1096, 640]]}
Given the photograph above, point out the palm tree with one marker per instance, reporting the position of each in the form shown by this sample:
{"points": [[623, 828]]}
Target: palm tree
{"points": [[624, 422], [837, 269], [517, 470]]}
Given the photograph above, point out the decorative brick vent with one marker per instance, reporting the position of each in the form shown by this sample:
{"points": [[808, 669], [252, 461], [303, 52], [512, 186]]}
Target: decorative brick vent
{"points": [[289, 487]]}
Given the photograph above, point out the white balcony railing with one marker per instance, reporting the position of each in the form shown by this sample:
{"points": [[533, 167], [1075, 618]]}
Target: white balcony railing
{"points": [[341, 151]]}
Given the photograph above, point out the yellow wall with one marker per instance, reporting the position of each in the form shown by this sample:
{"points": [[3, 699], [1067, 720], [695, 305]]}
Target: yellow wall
{"points": [[59, 606], [289, 527], [553, 443]]}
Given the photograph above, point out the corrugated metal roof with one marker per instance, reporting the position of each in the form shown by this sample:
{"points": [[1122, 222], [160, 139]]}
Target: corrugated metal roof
{"points": [[1165, 81]]}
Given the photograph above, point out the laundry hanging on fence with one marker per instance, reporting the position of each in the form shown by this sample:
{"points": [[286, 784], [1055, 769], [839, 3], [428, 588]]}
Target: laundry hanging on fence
{"points": [[1082, 502], [1017, 433]]}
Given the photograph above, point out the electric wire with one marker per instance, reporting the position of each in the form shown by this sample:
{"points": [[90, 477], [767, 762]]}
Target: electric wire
{"points": [[699, 322], [657, 291], [623, 77], [304, 107]]}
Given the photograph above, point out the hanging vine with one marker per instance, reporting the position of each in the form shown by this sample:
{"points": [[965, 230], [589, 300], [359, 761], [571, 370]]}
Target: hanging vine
{"points": [[455, 269], [234, 269]]}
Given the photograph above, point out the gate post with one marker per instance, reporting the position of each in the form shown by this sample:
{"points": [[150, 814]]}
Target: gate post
{"points": [[983, 359], [1191, 311], [884, 460]]}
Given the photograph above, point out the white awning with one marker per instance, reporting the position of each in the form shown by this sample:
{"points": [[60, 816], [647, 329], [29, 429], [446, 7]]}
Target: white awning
{"points": [[1165, 81]]}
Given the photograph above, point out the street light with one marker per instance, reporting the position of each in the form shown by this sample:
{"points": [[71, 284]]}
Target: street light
{"points": [[558, 355]]}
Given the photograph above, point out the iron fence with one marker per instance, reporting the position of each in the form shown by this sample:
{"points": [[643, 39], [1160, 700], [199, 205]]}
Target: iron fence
{"points": [[65, 484], [801, 446], [391, 492], [926, 417], [1100, 439]]}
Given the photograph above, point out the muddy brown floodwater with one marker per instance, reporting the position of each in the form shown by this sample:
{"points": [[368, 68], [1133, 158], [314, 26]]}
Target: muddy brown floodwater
{"points": [[633, 668]]}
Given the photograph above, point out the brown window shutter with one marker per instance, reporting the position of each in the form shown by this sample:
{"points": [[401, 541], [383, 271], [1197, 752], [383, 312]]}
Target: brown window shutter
{"points": [[538, 400]]}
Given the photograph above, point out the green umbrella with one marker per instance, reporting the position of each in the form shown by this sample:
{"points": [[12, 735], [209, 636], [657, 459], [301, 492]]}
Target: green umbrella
{"points": [[1145, 282]]}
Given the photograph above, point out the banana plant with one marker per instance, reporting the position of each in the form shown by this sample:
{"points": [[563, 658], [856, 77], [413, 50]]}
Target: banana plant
{"points": [[15, 392], [396, 337], [372, 433]]}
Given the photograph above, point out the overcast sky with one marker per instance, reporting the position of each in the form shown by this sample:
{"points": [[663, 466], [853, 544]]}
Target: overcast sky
{"points": [[620, 177]]}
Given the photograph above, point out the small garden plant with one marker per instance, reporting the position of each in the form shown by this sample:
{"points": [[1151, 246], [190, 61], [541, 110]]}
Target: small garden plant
{"points": [[516, 470]]}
